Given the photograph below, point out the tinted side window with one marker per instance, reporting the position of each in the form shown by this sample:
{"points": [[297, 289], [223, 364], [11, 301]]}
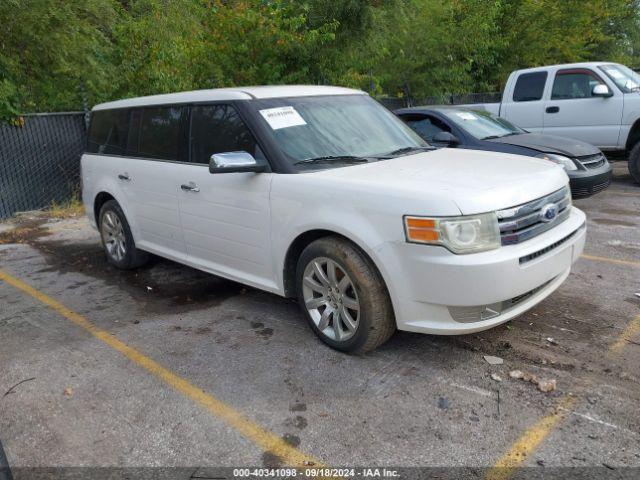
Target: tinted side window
{"points": [[160, 132], [574, 84], [108, 132], [134, 132], [529, 87], [218, 129], [426, 127]]}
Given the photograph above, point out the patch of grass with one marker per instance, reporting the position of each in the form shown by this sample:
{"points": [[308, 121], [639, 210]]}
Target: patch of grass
{"points": [[24, 231], [70, 209]]}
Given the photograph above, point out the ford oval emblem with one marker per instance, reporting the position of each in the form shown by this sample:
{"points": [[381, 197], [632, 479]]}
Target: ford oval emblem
{"points": [[549, 212]]}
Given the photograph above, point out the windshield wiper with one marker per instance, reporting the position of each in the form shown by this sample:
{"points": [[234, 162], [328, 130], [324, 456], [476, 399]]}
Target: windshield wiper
{"points": [[501, 136], [332, 158], [403, 150]]}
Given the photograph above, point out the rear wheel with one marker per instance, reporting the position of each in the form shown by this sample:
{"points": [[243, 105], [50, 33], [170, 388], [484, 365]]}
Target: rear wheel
{"points": [[343, 296], [117, 239], [634, 162]]}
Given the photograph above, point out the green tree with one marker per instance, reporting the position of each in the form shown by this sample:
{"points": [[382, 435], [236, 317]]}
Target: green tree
{"points": [[54, 55], [67, 54]]}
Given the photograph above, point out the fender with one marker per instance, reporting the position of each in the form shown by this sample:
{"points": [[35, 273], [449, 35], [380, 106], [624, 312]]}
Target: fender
{"points": [[630, 129], [352, 225]]}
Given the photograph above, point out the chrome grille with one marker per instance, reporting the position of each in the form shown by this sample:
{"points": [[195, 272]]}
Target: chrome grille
{"points": [[526, 221]]}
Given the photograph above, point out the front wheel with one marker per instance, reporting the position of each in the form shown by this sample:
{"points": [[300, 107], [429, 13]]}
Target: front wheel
{"points": [[634, 162], [343, 296]]}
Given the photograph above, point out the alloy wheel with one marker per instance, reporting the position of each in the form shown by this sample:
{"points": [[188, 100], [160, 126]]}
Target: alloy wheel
{"points": [[331, 299], [113, 236]]}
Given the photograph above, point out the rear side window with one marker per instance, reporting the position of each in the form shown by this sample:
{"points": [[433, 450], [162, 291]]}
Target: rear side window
{"points": [[529, 87], [108, 131], [219, 129], [160, 133]]}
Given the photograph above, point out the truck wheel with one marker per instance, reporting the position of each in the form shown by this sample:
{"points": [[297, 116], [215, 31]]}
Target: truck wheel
{"points": [[343, 296], [634, 162], [117, 239]]}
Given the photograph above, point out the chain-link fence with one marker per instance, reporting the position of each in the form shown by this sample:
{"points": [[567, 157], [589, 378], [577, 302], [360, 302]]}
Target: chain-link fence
{"points": [[393, 103], [40, 160]]}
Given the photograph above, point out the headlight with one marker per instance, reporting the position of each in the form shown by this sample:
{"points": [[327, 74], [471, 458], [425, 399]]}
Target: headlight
{"points": [[566, 162], [466, 234]]}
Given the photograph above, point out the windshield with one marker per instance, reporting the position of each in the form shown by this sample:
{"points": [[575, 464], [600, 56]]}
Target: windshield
{"points": [[335, 130], [625, 79], [482, 125]]}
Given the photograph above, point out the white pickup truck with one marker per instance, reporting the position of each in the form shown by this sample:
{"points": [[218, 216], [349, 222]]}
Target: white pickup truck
{"points": [[597, 102]]}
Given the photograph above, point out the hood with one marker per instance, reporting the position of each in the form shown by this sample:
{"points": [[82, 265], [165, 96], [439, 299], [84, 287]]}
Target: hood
{"points": [[549, 144], [476, 181]]}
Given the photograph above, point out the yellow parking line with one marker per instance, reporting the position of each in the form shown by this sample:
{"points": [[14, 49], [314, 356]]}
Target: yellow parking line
{"points": [[631, 331], [611, 260], [250, 430], [535, 435], [529, 441]]}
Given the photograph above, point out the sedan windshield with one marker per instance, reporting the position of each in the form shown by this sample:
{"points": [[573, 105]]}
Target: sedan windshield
{"points": [[482, 125], [625, 79], [335, 130]]}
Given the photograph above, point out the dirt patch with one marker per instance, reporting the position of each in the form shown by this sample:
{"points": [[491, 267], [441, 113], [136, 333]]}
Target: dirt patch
{"points": [[26, 231], [162, 286]]}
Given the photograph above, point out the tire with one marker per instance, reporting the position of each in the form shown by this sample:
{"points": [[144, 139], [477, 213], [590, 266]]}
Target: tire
{"points": [[356, 282], [5, 470], [114, 229], [634, 162]]}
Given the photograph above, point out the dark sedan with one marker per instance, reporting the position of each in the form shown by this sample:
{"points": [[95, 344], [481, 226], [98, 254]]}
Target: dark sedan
{"points": [[456, 127]]}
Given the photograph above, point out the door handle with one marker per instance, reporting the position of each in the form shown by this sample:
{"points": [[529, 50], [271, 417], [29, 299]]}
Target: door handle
{"points": [[553, 109], [190, 187], [124, 176]]}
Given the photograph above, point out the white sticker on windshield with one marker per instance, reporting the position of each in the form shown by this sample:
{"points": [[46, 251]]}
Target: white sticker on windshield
{"points": [[282, 117], [466, 116], [614, 73]]}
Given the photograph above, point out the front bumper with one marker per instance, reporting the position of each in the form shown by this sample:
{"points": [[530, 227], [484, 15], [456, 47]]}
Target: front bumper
{"points": [[585, 183], [428, 283]]}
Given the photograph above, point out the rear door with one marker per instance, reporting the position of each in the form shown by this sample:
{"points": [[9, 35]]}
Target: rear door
{"points": [[226, 216], [572, 111], [525, 104], [157, 144]]}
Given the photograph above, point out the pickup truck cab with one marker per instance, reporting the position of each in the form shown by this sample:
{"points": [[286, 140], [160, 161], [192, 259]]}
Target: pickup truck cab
{"points": [[596, 102], [321, 194]]}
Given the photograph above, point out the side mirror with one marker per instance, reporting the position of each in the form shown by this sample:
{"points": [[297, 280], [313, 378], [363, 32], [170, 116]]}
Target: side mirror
{"points": [[446, 139], [234, 162], [601, 90]]}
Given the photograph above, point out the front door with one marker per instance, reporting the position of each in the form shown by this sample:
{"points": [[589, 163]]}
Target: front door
{"points": [[226, 216], [572, 111]]}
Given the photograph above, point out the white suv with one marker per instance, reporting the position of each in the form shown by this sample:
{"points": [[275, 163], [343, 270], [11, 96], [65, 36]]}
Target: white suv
{"points": [[322, 194]]}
